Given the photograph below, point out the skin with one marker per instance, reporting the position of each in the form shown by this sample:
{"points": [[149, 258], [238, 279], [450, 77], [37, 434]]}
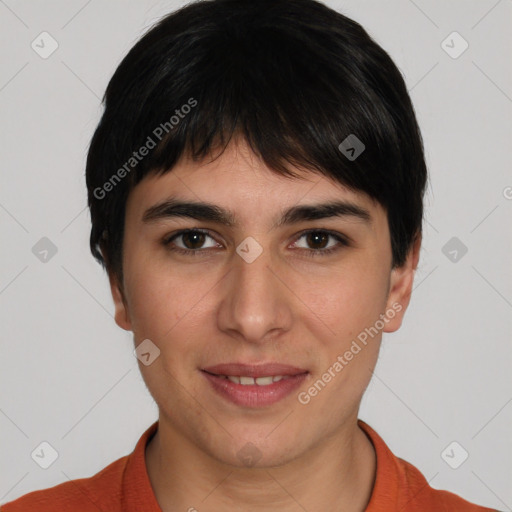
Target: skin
{"points": [[284, 307]]}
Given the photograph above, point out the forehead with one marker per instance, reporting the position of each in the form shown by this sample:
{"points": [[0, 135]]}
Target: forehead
{"points": [[240, 182]]}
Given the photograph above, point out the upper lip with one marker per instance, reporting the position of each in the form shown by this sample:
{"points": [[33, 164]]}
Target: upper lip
{"points": [[252, 370]]}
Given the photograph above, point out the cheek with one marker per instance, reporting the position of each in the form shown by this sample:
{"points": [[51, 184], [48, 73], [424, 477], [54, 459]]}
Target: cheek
{"points": [[160, 307], [164, 298], [152, 307], [351, 307], [351, 299]]}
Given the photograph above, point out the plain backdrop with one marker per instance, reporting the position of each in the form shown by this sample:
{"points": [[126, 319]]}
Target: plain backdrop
{"points": [[68, 375]]}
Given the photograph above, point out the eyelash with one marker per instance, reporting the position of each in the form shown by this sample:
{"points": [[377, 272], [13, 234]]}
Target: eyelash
{"points": [[343, 242]]}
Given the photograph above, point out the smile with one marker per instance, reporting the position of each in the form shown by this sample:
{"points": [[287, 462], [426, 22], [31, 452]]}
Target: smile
{"points": [[254, 385], [260, 381]]}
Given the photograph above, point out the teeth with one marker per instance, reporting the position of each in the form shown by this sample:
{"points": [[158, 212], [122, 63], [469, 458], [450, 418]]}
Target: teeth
{"points": [[264, 381], [260, 381]]}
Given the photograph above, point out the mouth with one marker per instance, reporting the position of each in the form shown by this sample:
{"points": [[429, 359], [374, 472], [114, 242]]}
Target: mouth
{"points": [[254, 385]]}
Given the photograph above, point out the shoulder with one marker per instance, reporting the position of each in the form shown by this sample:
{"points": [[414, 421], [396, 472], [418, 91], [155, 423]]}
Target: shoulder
{"points": [[422, 497], [121, 486], [101, 491], [401, 486]]}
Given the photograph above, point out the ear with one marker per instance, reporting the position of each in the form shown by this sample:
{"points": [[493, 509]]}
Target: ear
{"points": [[122, 315], [400, 288]]}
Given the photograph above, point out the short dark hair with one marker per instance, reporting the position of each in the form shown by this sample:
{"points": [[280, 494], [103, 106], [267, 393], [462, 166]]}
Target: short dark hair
{"points": [[294, 78]]}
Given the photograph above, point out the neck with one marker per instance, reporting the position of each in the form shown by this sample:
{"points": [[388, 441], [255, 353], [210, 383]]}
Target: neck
{"points": [[336, 475]]}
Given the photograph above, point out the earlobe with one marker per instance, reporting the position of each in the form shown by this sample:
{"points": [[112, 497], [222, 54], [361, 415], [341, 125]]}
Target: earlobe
{"points": [[122, 316], [400, 288]]}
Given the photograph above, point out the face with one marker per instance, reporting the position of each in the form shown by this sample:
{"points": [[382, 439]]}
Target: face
{"points": [[297, 296]]}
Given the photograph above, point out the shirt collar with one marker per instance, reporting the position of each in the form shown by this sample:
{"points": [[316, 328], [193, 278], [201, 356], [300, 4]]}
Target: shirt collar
{"points": [[137, 492]]}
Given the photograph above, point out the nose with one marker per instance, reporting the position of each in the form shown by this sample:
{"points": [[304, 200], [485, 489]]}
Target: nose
{"points": [[256, 303]]}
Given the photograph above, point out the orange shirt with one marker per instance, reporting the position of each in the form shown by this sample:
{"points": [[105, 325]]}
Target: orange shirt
{"points": [[124, 486]]}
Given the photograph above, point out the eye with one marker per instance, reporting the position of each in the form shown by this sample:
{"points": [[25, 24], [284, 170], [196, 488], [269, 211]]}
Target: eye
{"points": [[192, 240], [319, 238]]}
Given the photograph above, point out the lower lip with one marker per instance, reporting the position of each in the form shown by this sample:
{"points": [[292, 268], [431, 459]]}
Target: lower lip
{"points": [[253, 395]]}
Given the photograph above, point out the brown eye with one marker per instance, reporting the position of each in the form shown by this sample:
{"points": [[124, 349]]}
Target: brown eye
{"points": [[193, 239], [190, 241], [317, 239], [317, 242]]}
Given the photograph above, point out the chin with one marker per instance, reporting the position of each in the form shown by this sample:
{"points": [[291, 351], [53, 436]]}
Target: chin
{"points": [[258, 453]]}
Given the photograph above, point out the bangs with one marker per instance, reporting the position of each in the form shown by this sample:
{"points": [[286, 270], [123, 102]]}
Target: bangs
{"points": [[277, 91]]}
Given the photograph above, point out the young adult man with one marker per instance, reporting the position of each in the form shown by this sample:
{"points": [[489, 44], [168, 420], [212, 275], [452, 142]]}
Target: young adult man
{"points": [[256, 187]]}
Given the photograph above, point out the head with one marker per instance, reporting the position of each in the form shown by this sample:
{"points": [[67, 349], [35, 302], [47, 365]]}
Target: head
{"points": [[246, 106]]}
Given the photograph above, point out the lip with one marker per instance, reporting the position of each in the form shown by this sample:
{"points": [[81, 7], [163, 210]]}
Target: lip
{"points": [[252, 370], [253, 395]]}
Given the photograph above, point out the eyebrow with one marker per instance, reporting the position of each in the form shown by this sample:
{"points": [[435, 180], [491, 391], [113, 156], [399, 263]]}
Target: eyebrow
{"points": [[201, 211]]}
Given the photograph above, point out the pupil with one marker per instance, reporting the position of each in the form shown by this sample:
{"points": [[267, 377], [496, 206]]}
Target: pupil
{"points": [[196, 236], [316, 236]]}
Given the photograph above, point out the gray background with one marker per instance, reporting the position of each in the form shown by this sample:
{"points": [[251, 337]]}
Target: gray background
{"points": [[68, 374]]}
